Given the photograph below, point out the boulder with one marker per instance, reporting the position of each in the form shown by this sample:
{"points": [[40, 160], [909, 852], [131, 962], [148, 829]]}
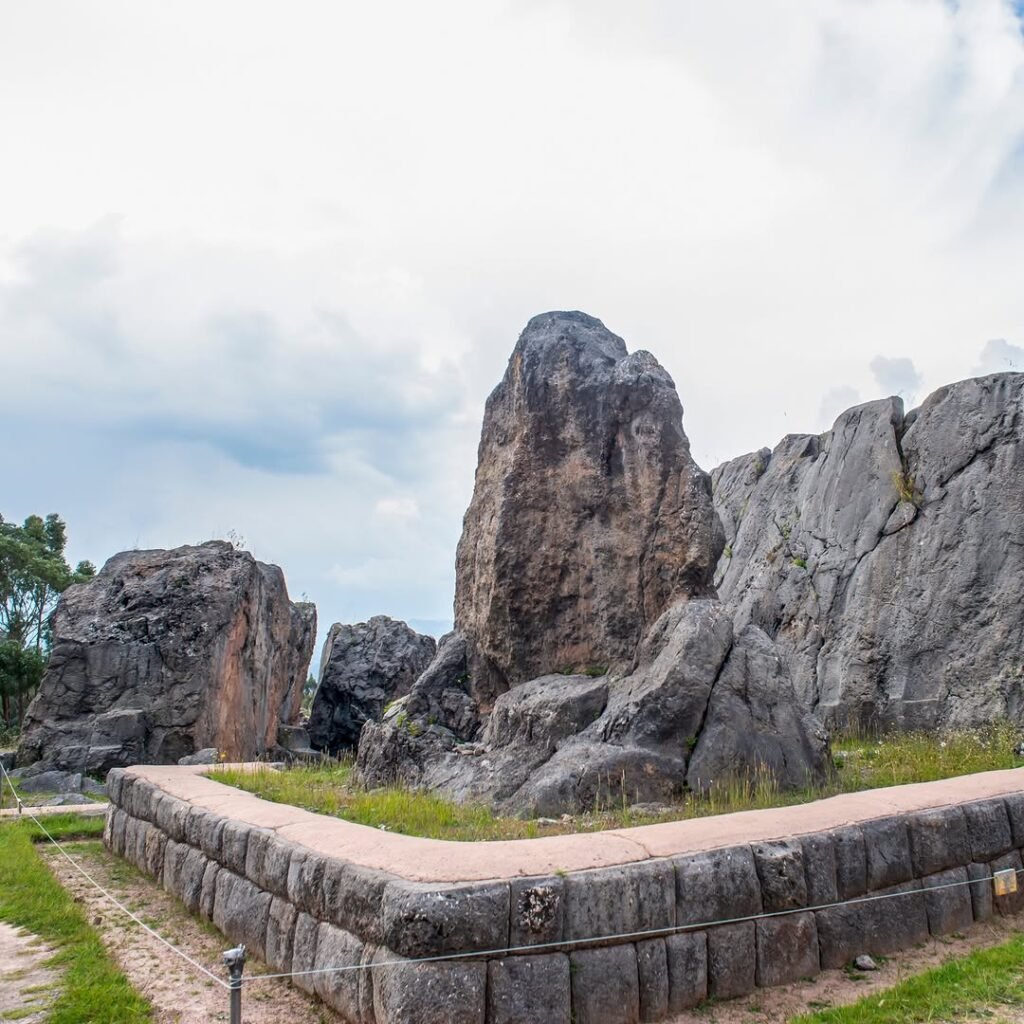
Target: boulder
{"points": [[884, 558], [165, 653], [591, 661], [363, 668]]}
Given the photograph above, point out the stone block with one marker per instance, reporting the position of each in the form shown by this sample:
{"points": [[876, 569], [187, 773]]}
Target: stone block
{"points": [[780, 869], [820, 869], [170, 817], [305, 881], [1014, 903], [1015, 810], [280, 933], [189, 879], [947, 900], [208, 889], [240, 911], [652, 971], [529, 989], [346, 990], [425, 920], [174, 859], [211, 832], [716, 885], [981, 891], [234, 843], [605, 985], [453, 992], [620, 901], [732, 960], [888, 852], [877, 926], [787, 949], [537, 911], [304, 941], [851, 862], [352, 899], [988, 826], [256, 848], [115, 784], [273, 868], [686, 955], [938, 840], [153, 851], [118, 820]]}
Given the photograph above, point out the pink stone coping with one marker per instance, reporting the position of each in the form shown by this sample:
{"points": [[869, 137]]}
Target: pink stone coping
{"points": [[444, 861]]}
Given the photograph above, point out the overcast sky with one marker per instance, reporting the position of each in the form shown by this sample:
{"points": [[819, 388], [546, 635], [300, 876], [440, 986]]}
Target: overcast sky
{"points": [[261, 262]]}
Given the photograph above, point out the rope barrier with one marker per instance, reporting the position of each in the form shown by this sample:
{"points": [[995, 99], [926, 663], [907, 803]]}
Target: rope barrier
{"points": [[120, 906]]}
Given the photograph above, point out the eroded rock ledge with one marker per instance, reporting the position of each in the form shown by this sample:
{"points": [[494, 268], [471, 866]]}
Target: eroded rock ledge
{"points": [[885, 557]]}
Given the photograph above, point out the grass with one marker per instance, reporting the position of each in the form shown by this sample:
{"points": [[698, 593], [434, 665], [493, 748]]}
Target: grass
{"points": [[92, 990], [860, 763], [968, 986]]}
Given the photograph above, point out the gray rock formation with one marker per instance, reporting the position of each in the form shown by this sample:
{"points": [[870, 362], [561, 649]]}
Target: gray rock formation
{"points": [[591, 661], [363, 668], [168, 652], [588, 517], [885, 557]]}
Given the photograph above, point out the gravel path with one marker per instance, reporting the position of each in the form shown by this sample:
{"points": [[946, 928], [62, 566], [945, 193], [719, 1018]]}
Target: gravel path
{"points": [[25, 982]]}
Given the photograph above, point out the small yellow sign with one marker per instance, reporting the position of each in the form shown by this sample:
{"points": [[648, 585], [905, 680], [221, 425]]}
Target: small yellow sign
{"points": [[1004, 882]]}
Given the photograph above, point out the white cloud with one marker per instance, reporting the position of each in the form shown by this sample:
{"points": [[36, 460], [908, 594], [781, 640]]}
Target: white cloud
{"points": [[999, 356], [897, 375], [259, 267]]}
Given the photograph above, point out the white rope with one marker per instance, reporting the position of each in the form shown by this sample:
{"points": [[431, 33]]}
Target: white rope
{"points": [[623, 936], [120, 906]]}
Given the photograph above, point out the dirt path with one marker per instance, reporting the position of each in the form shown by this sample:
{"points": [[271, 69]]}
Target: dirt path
{"points": [[26, 984], [178, 992]]}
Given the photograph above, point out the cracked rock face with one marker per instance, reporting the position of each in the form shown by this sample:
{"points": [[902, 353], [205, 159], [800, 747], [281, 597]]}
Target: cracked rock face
{"points": [[363, 668], [885, 557], [591, 660], [588, 517], [165, 653]]}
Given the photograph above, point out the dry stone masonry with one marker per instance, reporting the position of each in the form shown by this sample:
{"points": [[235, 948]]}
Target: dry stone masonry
{"points": [[591, 659], [616, 928], [165, 653]]}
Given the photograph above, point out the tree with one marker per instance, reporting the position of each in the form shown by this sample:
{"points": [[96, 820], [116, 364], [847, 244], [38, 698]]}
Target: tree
{"points": [[33, 574]]}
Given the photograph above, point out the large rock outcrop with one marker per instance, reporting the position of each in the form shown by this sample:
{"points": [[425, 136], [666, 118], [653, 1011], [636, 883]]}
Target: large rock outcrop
{"points": [[885, 557], [164, 653], [588, 517], [362, 669], [591, 659]]}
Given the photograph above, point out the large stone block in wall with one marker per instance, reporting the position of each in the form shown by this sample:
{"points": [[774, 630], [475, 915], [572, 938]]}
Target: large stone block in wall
{"points": [[165, 653]]}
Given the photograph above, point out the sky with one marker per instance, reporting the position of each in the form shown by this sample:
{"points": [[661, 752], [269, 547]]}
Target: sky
{"points": [[262, 262]]}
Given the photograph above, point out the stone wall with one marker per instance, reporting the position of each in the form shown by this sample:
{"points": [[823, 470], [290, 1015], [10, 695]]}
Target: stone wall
{"points": [[615, 928]]}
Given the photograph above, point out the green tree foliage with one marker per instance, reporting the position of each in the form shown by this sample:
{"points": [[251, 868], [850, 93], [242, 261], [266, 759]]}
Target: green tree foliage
{"points": [[33, 574]]}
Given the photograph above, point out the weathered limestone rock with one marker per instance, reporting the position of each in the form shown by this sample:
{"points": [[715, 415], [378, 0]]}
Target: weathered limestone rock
{"points": [[168, 652], [363, 668], [591, 660], [884, 557], [589, 517]]}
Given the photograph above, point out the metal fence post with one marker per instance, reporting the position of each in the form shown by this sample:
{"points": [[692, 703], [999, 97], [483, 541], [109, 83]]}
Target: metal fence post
{"points": [[235, 960]]}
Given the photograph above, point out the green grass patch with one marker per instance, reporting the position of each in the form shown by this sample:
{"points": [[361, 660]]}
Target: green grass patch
{"points": [[860, 763], [91, 990], [966, 987]]}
